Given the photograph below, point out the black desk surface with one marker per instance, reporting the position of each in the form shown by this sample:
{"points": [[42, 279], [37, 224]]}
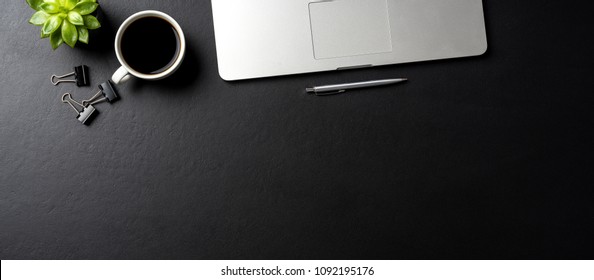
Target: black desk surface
{"points": [[485, 157]]}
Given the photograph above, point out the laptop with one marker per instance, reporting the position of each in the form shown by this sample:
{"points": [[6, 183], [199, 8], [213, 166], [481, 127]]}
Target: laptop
{"points": [[264, 38]]}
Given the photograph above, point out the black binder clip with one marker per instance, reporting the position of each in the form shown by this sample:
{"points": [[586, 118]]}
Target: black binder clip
{"points": [[81, 77], [86, 114], [107, 90]]}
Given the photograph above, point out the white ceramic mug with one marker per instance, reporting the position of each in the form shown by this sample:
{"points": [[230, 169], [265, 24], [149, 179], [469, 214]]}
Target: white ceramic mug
{"points": [[125, 71]]}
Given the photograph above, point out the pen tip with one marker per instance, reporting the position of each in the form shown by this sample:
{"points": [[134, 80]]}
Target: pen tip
{"points": [[310, 90]]}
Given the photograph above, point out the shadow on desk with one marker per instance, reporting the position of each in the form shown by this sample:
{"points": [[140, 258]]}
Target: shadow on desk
{"points": [[100, 40]]}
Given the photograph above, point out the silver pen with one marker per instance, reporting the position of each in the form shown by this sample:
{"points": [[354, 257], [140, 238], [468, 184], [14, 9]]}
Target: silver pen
{"points": [[340, 88]]}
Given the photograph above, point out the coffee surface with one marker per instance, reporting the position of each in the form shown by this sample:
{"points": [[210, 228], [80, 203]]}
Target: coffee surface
{"points": [[150, 45]]}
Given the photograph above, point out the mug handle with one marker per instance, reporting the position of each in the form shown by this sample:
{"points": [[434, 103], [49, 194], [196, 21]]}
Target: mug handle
{"points": [[120, 76]]}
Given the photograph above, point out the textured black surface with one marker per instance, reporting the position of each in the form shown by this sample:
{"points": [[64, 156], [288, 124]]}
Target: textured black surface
{"points": [[486, 157]]}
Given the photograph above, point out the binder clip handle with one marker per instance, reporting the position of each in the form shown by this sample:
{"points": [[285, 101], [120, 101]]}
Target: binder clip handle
{"points": [[67, 98], [81, 77], [106, 90], [84, 115]]}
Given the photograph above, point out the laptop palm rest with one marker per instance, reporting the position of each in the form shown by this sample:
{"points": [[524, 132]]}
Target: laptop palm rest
{"points": [[343, 28]]}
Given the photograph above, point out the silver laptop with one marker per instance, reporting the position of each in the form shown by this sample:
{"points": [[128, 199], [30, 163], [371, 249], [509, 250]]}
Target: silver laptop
{"points": [[263, 38]]}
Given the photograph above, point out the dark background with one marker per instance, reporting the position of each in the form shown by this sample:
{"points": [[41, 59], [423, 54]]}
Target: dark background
{"points": [[476, 158]]}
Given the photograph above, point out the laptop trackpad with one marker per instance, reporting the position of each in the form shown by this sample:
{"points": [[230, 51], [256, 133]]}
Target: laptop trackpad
{"points": [[349, 27]]}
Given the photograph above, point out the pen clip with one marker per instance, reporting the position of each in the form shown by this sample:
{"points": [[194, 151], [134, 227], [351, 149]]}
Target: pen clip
{"points": [[330, 92]]}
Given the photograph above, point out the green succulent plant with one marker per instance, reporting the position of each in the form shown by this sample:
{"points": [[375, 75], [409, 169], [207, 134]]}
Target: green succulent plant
{"points": [[64, 21]]}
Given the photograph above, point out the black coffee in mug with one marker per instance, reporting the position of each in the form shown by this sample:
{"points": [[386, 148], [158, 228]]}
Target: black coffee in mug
{"points": [[150, 45]]}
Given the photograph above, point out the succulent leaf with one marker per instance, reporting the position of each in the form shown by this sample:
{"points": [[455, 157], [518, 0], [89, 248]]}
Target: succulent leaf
{"points": [[39, 18], [42, 35], [56, 40], [85, 8], [64, 21], [49, 8], [69, 4], [83, 34], [75, 18], [69, 33], [34, 4], [52, 23], [91, 22]]}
